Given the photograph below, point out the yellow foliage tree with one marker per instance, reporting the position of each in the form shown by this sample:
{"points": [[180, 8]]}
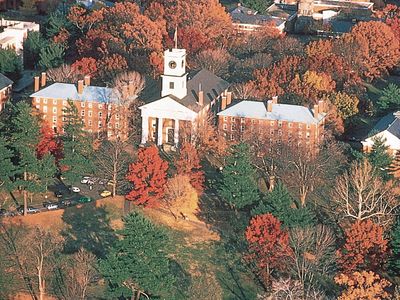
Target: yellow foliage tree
{"points": [[346, 105], [363, 286]]}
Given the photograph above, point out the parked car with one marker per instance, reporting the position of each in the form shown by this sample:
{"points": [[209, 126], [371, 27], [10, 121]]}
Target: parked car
{"points": [[85, 179], [110, 182], [103, 181], [105, 194], [58, 194], [75, 189], [50, 205], [66, 203], [30, 210], [84, 199], [3, 212], [90, 182]]}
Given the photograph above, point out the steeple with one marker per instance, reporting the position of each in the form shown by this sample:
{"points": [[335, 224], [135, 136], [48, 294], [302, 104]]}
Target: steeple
{"points": [[175, 76]]}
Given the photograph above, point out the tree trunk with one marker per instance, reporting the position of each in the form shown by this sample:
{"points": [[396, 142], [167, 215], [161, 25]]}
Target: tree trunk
{"points": [[25, 196], [114, 186]]}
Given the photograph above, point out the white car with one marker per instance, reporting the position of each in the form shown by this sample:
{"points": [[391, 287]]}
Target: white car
{"points": [[85, 179], [52, 206], [75, 189]]}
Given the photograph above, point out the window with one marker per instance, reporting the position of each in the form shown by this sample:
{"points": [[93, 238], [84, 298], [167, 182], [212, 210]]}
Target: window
{"points": [[117, 125], [54, 101], [272, 123], [54, 110], [289, 134], [233, 127], [232, 137], [82, 104], [38, 106], [45, 109], [109, 106], [90, 123], [54, 119], [90, 113], [64, 119], [171, 85], [300, 134], [100, 124], [253, 121], [100, 106], [45, 101], [241, 128], [100, 114], [280, 132], [280, 124], [82, 113], [225, 127], [225, 119], [290, 125], [308, 126], [241, 120], [232, 119], [117, 117], [37, 100], [300, 126], [307, 134], [271, 132], [90, 105]]}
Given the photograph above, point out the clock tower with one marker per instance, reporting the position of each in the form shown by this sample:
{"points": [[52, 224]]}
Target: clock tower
{"points": [[175, 76]]}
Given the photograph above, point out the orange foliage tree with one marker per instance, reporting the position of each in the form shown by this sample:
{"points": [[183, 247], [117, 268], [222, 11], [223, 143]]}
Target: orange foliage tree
{"points": [[268, 244], [85, 66], [148, 176], [189, 164], [363, 285], [365, 248], [391, 15], [48, 143]]}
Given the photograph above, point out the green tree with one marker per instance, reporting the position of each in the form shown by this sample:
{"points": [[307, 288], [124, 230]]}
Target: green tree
{"points": [[25, 131], [138, 263], [46, 171], [10, 64], [32, 46], [379, 157], [238, 185], [78, 148], [56, 21], [281, 204], [394, 265], [259, 5], [51, 56], [346, 105], [7, 168], [390, 99]]}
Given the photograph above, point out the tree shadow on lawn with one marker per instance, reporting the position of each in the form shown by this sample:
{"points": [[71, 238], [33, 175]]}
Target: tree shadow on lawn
{"points": [[88, 227]]}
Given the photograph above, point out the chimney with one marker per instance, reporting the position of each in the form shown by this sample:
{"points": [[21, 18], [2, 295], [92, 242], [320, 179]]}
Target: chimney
{"points": [[228, 98], [43, 79], [223, 103], [80, 87], [36, 84], [316, 110], [275, 99], [87, 80], [131, 88], [125, 91], [269, 105], [321, 106], [201, 96]]}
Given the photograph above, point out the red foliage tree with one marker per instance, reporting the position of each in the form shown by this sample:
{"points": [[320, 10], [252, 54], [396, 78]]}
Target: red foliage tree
{"points": [[85, 66], [365, 248], [268, 244], [189, 164], [148, 176], [48, 143], [391, 15]]}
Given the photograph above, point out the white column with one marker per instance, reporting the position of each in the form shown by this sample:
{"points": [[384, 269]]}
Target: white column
{"points": [[176, 132], [160, 131], [145, 129]]}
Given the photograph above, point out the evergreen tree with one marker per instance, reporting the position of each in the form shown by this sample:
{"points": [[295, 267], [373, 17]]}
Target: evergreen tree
{"points": [[258, 5], [238, 185], [24, 137], [138, 262], [32, 46], [395, 166], [390, 99], [51, 56], [78, 149], [46, 171], [281, 204], [7, 168], [379, 157], [10, 64], [395, 247]]}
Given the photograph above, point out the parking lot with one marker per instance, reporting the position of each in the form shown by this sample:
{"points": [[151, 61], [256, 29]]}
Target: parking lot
{"points": [[88, 191]]}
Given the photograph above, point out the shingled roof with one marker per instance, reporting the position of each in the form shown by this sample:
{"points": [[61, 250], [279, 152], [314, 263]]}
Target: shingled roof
{"points": [[5, 81], [244, 15], [390, 123]]}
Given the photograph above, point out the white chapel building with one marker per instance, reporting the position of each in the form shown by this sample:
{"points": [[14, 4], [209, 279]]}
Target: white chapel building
{"points": [[183, 99]]}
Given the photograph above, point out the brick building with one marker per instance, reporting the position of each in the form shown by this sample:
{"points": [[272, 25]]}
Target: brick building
{"points": [[274, 123], [5, 90], [101, 112]]}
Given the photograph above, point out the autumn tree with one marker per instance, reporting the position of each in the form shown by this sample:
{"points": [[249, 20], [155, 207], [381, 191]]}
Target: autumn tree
{"points": [[391, 15], [86, 66], [188, 164], [48, 143], [148, 176], [63, 73], [347, 105], [214, 60], [376, 45], [363, 285], [360, 195], [365, 248], [268, 245], [237, 185]]}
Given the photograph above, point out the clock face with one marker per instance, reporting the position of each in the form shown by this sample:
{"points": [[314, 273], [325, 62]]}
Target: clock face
{"points": [[172, 64]]}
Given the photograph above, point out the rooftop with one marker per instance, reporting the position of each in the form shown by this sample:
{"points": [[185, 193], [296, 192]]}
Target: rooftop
{"points": [[68, 91], [5, 81], [390, 123], [280, 112], [246, 15]]}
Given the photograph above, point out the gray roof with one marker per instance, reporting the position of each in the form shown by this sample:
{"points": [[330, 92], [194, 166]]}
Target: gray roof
{"points": [[246, 15], [390, 122], [280, 112], [211, 85], [68, 91], [5, 81]]}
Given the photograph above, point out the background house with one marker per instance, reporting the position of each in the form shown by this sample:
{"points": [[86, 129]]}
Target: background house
{"points": [[5, 90]]}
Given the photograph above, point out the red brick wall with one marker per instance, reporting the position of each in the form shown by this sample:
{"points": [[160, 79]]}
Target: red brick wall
{"points": [[4, 96]]}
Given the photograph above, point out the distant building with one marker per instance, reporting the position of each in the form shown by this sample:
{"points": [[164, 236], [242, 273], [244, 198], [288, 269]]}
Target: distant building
{"points": [[9, 4], [388, 128], [15, 33], [101, 112], [248, 20], [182, 101], [278, 124], [5, 90]]}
